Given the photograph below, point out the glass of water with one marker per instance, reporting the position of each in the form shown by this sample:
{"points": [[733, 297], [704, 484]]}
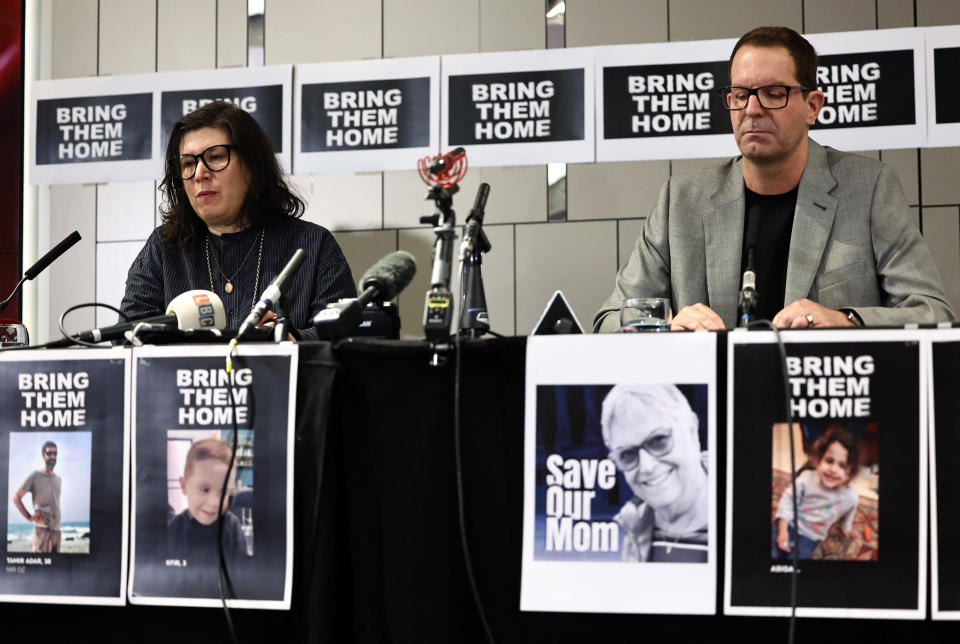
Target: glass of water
{"points": [[13, 333], [645, 314]]}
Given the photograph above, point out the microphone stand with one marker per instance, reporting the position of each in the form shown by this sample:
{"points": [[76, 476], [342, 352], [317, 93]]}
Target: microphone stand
{"points": [[474, 318], [438, 308]]}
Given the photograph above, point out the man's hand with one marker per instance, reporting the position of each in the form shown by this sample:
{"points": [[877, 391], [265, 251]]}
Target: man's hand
{"points": [[37, 517], [697, 316], [804, 314], [267, 320]]}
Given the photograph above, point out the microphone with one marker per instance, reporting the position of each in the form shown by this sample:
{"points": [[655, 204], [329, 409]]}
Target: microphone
{"points": [[747, 303], [42, 263], [382, 281], [191, 310], [474, 222], [273, 293], [446, 170], [445, 161]]}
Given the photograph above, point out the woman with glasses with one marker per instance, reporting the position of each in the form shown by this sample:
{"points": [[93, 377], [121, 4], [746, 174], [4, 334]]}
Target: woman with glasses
{"points": [[230, 224], [653, 438]]}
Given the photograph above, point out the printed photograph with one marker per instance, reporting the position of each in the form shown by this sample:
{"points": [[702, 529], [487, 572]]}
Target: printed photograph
{"points": [[622, 473], [49, 484], [197, 465], [837, 469]]}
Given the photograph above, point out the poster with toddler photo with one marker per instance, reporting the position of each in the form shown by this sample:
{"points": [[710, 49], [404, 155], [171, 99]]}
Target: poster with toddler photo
{"points": [[848, 390], [186, 408], [619, 500], [64, 426]]}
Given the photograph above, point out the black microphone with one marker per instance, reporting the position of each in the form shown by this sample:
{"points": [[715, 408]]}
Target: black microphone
{"points": [[191, 310], [273, 293], [747, 303], [42, 263], [474, 222], [382, 281], [51, 255]]}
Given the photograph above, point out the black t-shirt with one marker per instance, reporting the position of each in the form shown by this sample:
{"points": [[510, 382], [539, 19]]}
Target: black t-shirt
{"points": [[773, 217]]}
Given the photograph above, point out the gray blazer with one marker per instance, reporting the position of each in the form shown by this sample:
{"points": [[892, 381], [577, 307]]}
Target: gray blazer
{"points": [[853, 245]]}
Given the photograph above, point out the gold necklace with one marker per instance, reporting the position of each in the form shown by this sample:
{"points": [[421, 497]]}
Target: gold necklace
{"points": [[228, 281], [256, 284]]}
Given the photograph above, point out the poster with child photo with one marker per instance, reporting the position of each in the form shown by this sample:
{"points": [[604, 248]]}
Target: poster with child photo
{"points": [[806, 498]]}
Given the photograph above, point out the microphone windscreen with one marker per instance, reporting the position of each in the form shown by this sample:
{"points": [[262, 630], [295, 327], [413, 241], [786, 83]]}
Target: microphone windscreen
{"points": [[390, 275], [198, 310]]}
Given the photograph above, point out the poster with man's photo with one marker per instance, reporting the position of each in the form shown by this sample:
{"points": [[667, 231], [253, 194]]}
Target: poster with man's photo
{"points": [[213, 476], [944, 472], [64, 423], [806, 494], [619, 474]]}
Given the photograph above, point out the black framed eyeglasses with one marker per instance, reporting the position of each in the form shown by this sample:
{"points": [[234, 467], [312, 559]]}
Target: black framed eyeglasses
{"points": [[659, 443], [216, 158], [771, 97], [50, 452]]}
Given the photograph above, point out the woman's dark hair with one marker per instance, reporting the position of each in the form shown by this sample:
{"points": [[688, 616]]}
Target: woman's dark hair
{"points": [[837, 434], [268, 196], [801, 51]]}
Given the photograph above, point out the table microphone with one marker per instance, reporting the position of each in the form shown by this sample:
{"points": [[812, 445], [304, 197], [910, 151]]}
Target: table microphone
{"points": [[191, 310], [273, 292], [382, 281], [43, 262], [747, 303]]}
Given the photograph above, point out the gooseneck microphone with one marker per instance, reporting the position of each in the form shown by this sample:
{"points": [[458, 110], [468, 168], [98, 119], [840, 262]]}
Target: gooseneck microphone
{"points": [[42, 263], [271, 296], [382, 281], [191, 310], [747, 302]]}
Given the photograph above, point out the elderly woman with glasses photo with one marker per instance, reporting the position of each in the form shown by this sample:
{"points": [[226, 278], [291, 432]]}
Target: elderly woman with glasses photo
{"points": [[230, 223], [653, 438]]}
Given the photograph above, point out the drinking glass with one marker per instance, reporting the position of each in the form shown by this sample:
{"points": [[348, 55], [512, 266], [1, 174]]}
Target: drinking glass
{"points": [[645, 314], [13, 333]]}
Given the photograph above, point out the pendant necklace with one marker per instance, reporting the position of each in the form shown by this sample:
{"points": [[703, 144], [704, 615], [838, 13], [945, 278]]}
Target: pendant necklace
{"points": [[228, 281]]}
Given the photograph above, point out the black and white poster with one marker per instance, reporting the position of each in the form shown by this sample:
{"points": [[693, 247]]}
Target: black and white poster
{"points": [[873, 82], [662, 101], [92, 130], [944, 472], [263, 92], [64, 424], [942, 51], [192, 420], [620, 474], [856, 475], [521, 107], [369, 115]]}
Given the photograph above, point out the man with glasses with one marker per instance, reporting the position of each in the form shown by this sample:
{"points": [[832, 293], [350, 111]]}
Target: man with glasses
{"points": [[44, 488], [231, 222], [653, 438], [831, 237]]}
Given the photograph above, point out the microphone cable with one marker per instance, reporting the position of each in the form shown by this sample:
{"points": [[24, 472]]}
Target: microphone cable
{"points": [[767, 324], [224, 583], [458, 462], [77, 340]]}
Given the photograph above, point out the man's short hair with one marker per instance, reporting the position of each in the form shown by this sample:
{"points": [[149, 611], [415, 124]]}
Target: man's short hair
{"points": [[626, 404], [801, 51], [43, 449], [206, 449]]}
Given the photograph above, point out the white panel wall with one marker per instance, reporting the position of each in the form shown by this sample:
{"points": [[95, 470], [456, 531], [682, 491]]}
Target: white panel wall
{"points": [[375, 213]]}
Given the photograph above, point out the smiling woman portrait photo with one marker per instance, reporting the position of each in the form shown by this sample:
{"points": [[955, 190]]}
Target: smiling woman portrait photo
{"points": [[652, 435]]}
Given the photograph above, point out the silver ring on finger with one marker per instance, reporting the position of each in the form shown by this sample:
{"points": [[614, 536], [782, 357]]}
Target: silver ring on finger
{"points": [[809, 319]]}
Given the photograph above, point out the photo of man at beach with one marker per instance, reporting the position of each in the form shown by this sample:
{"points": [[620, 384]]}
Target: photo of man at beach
{"points": [[49, 492], [197, 464]]}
